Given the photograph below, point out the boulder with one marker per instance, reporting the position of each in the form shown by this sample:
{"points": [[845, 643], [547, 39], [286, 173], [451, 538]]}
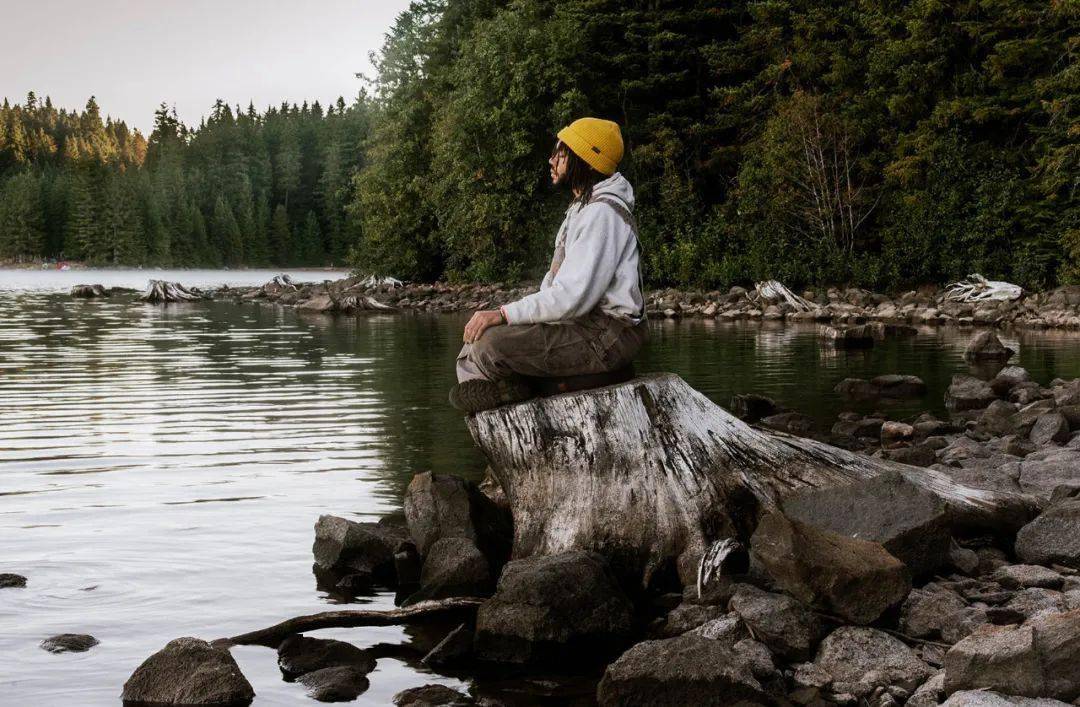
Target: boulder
{"points": [[189, 671], [910, 522], [438, 506], [1027, 576], [1037, 659], [298, 655], [855, 337], [686, 617], [728, 629], [10, 580], [1030, 602], [894, 385], [855, 579], [318, 303], [341, 683], [1053, 537], [778, 621], [454, 567], [927, 611], [752, 407], [865, 658], [989, 698], [1050, 428], [987, 346], [1044, 471], [69, 643], [896, 434], [348, 547], [551, 607], [930, 693], [1008, 378], [968, 393], [685, 670], [432, 696]]}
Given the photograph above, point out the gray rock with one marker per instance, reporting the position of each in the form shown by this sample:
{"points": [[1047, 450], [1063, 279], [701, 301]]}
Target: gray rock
{"points": [[298, 655], [792, 422], [987, 346], [439, 506], [1034, 601], [69, 643], [989, 698], [1050, 428], [454, 567], [927, 611], [686, 617], [896, 434], [856, 389], [963, 560], [686, 670], [1024, 576], [349, 547], [1053, 537], [857, 580], [998, 418], [1042, 472], [961, 624], [432, 696], [10, 580], [552, 606], [918, 455], [909, 521], [930, 693], [968, 393], [189, 671], [855, 337], [869, 658], [751, 407], [1008, 378], [899, 386], [728, 629], [341, 683], [778, 621]]}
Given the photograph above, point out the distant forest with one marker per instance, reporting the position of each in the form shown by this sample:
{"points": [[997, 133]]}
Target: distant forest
{"points": [[880, 143]]}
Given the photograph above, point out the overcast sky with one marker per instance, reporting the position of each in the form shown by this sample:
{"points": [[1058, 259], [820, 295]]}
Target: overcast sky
{"points": [[134, 55]]}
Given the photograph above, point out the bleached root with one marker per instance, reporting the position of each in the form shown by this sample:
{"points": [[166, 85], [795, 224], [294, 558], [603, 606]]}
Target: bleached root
{"points": [[774, 292], [977, 288], [354, 303], [162, 291], [384, 281], [283, 280]]}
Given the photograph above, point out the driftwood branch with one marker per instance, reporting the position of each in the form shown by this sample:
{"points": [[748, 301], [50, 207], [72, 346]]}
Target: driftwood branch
{"points": [[348, 618], [977, 288]]}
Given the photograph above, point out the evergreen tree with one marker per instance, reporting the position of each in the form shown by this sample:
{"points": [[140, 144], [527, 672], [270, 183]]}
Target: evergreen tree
{"points": [[22, 232], [281, 242]]}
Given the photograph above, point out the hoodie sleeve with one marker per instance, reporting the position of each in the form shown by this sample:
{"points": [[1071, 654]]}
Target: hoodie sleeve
{"points": [[592, 255]]}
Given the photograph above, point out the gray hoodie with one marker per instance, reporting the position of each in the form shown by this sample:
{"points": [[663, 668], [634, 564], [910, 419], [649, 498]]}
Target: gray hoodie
{"points": [[601, 266]]}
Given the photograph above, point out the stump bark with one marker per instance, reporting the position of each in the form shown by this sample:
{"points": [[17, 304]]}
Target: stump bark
{"points": [[162, 291], [651, 472]]}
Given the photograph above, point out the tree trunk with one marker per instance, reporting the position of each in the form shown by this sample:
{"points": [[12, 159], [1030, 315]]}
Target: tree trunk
{"points": [[651, 472], [161, 291]]}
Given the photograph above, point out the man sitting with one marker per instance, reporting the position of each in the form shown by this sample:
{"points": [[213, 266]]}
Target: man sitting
{"points": [[589, 315]]}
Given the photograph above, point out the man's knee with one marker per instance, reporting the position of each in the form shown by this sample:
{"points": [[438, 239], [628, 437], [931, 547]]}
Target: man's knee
{"points": [[488, 352]]}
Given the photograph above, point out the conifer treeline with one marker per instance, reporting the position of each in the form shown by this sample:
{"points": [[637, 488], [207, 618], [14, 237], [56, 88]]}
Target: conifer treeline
{"points": [[875, 142], [243, 188]]}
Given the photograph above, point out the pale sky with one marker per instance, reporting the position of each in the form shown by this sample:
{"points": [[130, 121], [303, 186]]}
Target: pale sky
{"points": [[134, 55]]}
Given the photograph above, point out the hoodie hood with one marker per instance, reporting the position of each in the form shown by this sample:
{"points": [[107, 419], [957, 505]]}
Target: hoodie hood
{"points": [[616, 185]]}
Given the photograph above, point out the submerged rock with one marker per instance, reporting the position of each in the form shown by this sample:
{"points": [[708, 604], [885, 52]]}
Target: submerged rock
{"points": [[189, 671], [987, 346], [855, 579], [686, 670], [298, 655], [69, 643], [553, 606], [341, 683]]}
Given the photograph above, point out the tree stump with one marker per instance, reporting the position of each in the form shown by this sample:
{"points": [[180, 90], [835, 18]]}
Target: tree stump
{"points": [[650, 473], [162, 291]]}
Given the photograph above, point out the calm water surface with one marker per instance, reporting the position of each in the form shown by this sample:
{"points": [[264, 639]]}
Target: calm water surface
{"points": [[161, 467]]}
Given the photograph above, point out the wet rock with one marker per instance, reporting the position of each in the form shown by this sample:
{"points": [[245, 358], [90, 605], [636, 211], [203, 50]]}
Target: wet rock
{"points": [[1008, 378], [899, 386], [432, 696], [751, 407], [968, 393], [855, 337], [855, 579], [456, 648], [686, 617], [342, 683], [896, 434], [10, 580], [454, 567], [318, 303], [778, 621], [189, 671], [69, 643], [551, 607], [439, 506], [987, 346], [1053, 537], [927, 611], [791, 422], [686, 670], [349, 547], [910, 522], [1037, 659], [1050, 428], [298, 655], [1025, 576], [856, 389], [865, 658]]}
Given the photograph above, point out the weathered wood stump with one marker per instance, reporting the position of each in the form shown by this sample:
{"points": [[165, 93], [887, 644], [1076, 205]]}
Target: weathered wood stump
{"points": [[162, 291], [651, 472], [89, 291]]}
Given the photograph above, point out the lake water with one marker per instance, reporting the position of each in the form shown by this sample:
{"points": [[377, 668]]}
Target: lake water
{"points": [[161, 467]]}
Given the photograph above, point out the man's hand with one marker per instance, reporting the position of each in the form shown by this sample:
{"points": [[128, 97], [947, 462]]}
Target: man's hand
{"points": [[480, 322]]}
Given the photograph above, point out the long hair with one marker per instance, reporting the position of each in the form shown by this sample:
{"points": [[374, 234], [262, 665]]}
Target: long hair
{"points": [[580, 176]]}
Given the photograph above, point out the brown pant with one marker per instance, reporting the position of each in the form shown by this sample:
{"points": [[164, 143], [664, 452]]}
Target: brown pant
{"points": [[595, 343]]}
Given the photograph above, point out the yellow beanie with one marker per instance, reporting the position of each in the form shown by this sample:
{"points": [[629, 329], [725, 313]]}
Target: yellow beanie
{"points": [[598, 142]]}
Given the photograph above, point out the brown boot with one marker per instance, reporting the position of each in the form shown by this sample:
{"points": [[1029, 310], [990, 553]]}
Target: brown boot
{"points": [[476, 395]]}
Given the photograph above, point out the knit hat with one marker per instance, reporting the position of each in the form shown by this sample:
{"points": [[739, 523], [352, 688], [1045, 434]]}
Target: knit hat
{"points": [[598, 142]]}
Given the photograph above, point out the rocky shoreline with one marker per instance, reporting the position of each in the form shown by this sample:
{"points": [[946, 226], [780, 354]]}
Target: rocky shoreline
{"points": [[865, 593], [1058, 308]]}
